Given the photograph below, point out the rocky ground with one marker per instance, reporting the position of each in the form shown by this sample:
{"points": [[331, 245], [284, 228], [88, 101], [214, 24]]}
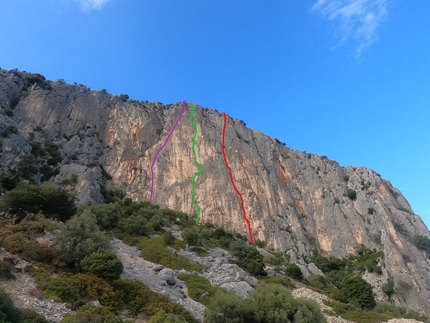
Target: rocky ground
{"points": [[25, 294]]}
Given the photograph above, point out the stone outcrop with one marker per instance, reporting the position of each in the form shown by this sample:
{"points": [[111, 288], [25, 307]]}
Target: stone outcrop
{"points": [[294, 200]]}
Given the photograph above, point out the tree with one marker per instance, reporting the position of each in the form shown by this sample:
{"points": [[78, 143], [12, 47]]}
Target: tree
{"points": [[358, 291], [80, 237], [103, 264], [52, 202]]}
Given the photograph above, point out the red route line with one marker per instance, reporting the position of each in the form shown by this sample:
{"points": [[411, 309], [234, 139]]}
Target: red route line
{"points": [[232, 181]]}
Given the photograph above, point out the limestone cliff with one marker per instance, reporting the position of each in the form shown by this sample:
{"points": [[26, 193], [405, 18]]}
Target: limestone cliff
{"points": [[294, 200]]}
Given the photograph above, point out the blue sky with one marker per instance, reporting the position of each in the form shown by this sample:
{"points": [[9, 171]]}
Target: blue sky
{"points": [[349, 79]]}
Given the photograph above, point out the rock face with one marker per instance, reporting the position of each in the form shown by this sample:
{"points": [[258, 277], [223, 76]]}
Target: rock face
{"points": [[294, 200]]}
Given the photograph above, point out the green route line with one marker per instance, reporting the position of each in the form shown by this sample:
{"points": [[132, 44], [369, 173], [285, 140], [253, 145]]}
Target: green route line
{"points": [[193, 181]]}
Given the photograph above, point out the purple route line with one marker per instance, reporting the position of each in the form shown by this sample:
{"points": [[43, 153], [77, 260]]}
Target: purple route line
{"points": [[184, 104]]}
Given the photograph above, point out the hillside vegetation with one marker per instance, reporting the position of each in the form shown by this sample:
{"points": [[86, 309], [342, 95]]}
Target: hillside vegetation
{"points": [[78, 268]]}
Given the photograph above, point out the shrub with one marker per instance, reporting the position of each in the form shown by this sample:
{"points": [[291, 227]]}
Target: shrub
{"points": [[20, 239], [168, 238], [124, 97], [227, 307], [352, 194], [197, 287], [9, 181], [80, 238], [155, 250], [107, 215], [136, 224], [191, 236], [27, 167], [402, 287], [9, 130], [358, 291], [400, 228], [8, 312], [248, 258], [260, 244], [13, 103], [284, 281], [103, 264], [110, 195], [46, 199], [388, 288], [328, 264], [91, 314], [422, 243], [162, 317], [5, 271], [31, 316], [138, 298], [274, 303], [294, 271]]}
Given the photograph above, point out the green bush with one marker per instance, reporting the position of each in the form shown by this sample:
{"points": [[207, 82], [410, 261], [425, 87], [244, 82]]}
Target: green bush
{"points": [[192, 236], [227, 307], [248, 258], [138, 298], [422, 243], [52, 202], [162, 317], [274, 303], [197, 287], [136, 225], [107, 215], [358, 291], [168, 238], [5, 271], [8, 181], [366, 317], [388, 288], [91, 314], [31, 316], [284, 281], [400, 228], [77, 289], [27, 167], [352, 194], [328, 264], [124, 97], [9, 130], [103, 264], [270, 303], [80, 237], [111, 195], [20, 239], [367, 259], [8, 312], [155, 250], [294, 271]]}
